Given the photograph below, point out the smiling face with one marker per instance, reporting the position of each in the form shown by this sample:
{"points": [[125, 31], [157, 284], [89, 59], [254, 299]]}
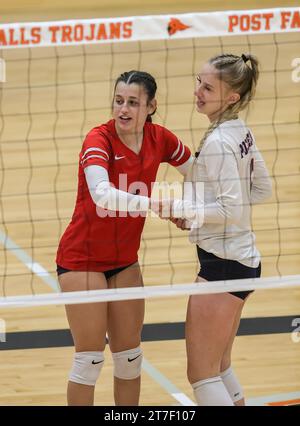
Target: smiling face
{"points": [[213, 96], [131, 108]]}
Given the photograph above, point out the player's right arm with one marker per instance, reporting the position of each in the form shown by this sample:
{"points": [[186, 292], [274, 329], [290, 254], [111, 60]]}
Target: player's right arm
{"points": [[106, 196], [95, 159]]}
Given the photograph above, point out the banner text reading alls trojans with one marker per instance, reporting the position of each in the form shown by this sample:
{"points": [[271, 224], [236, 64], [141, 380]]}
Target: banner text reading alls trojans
{"points": [[155, 27]]}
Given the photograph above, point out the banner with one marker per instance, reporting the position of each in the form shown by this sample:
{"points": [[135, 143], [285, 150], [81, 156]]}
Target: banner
{"points": [[156, 27]]}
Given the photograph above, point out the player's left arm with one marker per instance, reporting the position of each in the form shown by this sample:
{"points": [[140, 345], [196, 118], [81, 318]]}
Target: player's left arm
{"points": [[175, 152], [261, 185], [184, 168]]}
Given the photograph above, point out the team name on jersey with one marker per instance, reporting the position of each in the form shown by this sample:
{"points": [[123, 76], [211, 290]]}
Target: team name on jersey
{"points": [[246, 144]]}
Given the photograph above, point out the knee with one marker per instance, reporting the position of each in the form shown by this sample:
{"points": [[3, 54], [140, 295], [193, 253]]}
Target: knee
{"points": [[202, 370], [128, 364], [86, 367], [225, 363], [190, 377]]}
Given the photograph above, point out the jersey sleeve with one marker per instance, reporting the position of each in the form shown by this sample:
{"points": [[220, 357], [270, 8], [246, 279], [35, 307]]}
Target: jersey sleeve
{"points": [[175, 152], [96, 150], [261, 187], [223, 175]]}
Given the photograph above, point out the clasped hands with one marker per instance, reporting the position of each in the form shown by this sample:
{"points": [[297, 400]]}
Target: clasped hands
{"points": [[164, 209]]}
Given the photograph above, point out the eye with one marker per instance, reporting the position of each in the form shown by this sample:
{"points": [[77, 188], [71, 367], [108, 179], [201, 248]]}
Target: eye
{"points": [[208, 88], [118, 101], [133, 103]]}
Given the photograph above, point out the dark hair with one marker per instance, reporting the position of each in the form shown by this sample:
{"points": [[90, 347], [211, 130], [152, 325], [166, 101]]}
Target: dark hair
{"points": [[140, 78]]}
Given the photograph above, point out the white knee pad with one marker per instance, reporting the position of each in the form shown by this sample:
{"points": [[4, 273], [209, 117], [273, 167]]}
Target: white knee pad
{"points": [[211, 391], [86, 367], [128, 364], [232, 384]]}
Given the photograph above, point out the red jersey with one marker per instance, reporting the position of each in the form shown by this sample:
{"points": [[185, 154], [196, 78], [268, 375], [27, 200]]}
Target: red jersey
{"points": [[95, 243]]}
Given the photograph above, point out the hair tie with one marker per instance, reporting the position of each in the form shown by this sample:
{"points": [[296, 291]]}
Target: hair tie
{"points": [[245, 59]]}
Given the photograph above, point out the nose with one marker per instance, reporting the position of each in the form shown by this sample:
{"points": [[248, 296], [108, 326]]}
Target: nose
{"points": [[124, 107], [198, 90]]}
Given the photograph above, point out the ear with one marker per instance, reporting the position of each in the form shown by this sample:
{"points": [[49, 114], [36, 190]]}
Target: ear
{"points": [[233, 98], [152, 106]]}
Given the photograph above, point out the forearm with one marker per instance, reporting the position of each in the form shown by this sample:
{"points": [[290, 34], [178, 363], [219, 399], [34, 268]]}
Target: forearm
{"points": [[106, 196], [113, 199], [210, 213]]}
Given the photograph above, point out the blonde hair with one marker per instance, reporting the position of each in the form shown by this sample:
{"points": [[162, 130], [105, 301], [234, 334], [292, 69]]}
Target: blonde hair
{"points": [[241, 74]]}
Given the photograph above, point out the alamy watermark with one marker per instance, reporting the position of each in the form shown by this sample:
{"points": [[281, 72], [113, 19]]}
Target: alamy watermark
{"points": [[116, 204], [2, 71], [2, 331], [296, 71], [296, 332]]}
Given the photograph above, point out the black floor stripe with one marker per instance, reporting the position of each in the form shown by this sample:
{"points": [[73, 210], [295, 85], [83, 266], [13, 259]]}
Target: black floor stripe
{"points": [[151, 333]]}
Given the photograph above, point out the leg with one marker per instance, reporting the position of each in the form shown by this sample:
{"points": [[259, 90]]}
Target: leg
{"points": [[209, 323], [125, 322], [88, 323], [230, 380], [226, 359]]}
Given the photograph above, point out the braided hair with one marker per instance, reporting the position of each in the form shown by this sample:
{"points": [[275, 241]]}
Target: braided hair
{"points": [[241, 77], [241, 74]]}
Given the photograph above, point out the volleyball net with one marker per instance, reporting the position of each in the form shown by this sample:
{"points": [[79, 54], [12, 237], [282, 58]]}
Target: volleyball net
{"points": [[56, 84]]}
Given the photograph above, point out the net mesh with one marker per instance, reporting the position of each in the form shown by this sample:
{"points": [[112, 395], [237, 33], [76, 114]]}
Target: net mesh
{"points": [[54, 95]]}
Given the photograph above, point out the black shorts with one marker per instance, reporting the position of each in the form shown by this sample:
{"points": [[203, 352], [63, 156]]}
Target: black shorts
{"points": [[108, 274], [214, 268]]}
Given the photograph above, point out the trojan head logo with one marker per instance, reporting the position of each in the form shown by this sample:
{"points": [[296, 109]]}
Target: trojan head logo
{"points": [[176, 25]]}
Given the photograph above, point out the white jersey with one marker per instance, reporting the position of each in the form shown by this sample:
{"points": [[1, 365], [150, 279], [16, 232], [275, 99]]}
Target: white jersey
{"points": [[234, 176]]}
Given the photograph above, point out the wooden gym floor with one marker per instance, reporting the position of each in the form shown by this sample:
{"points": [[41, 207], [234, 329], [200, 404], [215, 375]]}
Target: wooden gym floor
{"points": [[40, 137]]}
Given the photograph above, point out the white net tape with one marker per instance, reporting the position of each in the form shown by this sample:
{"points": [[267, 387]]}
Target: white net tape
{"points": [[112, 295]]}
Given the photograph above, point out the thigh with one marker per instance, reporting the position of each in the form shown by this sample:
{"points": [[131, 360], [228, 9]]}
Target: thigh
{"points": [[209, 323], [125, 319], [88, 321]]}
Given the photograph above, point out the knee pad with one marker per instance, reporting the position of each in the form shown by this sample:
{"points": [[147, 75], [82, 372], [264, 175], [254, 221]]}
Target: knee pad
{"points": [[232, 384], [211, 392], [86, 367], [128, 364]]}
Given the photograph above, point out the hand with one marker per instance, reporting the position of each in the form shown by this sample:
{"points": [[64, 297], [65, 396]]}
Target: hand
{"points": [[155, 206], [162, 208], [180, 223]]}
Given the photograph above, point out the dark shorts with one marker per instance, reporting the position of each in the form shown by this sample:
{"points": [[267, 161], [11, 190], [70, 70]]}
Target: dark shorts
{"points": [[108, 274], [214, 268]]}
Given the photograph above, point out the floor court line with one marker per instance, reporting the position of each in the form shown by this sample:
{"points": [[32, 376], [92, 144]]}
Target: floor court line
{"points": [[271, 399], [35, 267], [166, 384]]}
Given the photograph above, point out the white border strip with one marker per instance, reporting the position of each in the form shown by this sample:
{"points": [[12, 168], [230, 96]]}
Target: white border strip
{"points": [[153, 27], [150, 292]]}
